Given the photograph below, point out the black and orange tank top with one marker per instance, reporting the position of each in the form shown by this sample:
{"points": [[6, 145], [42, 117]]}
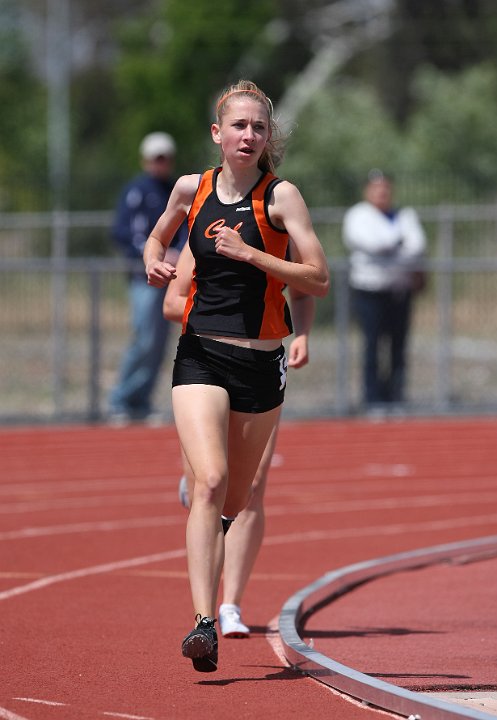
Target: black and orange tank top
{"points": [[229, 297]]}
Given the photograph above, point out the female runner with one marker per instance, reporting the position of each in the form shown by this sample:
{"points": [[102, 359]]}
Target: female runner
{"points": [[230, 369]]}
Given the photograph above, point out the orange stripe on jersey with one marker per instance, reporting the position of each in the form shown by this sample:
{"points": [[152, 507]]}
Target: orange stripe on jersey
{"points": [[204, 189], [275, 243], [189, 302]]}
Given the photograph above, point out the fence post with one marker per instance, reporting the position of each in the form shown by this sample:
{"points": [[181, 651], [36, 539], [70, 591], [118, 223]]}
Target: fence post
{"points": [[444, 308], [94, 278], [342, 326], [59, 304]]}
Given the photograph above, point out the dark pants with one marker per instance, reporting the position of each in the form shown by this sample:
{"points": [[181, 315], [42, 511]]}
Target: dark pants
{"points": [[142, 361], [384, 318]]}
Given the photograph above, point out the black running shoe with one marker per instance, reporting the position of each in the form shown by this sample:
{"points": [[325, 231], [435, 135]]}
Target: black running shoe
{"points": [[201, 645], [226, 523]]}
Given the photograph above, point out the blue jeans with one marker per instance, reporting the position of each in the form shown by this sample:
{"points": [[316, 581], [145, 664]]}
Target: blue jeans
{"points": [[384, 318], [143, 358]]}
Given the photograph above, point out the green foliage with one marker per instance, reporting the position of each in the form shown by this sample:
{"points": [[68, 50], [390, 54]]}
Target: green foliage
{"points": [[445, 153], [174, 63], [451, 35], [22, 103], [419, 104], [341, 135], [452, 130], [96, 171]]}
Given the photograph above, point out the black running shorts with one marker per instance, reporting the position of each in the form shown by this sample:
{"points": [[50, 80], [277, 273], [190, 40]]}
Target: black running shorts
{"points": [[255, 380]]}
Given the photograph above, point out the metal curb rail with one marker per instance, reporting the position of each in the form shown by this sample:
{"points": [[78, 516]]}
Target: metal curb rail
{"points": [[347, 680]]}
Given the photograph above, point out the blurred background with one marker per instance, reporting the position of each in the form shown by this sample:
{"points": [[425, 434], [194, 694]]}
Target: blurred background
{"points": [[409, 86]]}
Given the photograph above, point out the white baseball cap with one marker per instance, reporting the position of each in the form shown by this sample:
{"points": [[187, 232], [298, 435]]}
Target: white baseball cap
{"points": [[156, 144]]}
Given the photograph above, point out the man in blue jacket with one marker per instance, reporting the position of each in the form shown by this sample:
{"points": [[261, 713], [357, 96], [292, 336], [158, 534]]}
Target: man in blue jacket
{"points": [[140, 205]]}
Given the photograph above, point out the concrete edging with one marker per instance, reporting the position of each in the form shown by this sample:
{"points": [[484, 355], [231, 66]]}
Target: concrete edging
{"points": [[347, 680]]}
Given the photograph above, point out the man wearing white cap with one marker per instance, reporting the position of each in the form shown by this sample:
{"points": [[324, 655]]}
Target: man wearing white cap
{"points": [[140, 205]]}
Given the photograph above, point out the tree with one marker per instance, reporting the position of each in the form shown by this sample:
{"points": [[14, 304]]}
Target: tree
{"points": [[22, 154], [448, 34], [450, 131], [140, 65], [173, 64], [343, 133]]}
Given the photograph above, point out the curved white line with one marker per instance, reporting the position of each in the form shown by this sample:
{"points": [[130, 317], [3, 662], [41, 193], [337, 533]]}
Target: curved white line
{"points": [[85, 572], [37, 701], [7, 715], [311, 536], [36, 506], [84, 527], [127, 717], [376, 530]]}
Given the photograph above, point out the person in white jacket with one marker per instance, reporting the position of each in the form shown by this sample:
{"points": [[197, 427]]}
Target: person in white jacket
{"points": [[386, 245]]}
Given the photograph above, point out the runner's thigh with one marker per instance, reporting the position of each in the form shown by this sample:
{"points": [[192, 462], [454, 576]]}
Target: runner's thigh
{"points": [[201, 414]]}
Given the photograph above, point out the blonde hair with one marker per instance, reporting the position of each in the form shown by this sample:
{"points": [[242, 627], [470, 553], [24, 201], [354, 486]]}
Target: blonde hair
{"points": [[274, 150]]}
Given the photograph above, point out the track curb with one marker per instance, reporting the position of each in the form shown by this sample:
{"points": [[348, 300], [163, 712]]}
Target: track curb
{"points": [[363, 687]]}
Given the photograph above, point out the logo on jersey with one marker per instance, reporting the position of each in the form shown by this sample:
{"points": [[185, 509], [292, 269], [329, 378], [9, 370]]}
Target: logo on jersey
{"points": [[243, 209], [212, 230]]}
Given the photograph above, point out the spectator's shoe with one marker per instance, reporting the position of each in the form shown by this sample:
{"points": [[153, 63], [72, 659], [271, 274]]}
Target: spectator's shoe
{"points": [[201, 645], [184, 498], [122, 416], [154, 419], [118, 419], [230, 622]]}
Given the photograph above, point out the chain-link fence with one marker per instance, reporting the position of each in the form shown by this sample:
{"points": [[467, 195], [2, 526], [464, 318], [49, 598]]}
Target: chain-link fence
{"points": [[65, 322]]}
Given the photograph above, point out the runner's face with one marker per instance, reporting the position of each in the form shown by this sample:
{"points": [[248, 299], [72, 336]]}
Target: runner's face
{"points": [[244, 130]]}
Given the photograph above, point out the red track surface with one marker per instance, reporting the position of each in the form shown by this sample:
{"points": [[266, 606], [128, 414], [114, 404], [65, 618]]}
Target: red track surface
{"points": [[428, 629], [94, 596]]}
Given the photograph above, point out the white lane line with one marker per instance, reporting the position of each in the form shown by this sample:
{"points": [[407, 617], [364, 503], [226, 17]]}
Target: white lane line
{"points": [[54, 703], [375, 530], [274, 639], [88, 502], [85, 527], [333, 480], [85, 572], [41, 702], [45, 487], [290, 481], [423, 501], [7, 715], [331, 507], [128, 717], [311, 536]]}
